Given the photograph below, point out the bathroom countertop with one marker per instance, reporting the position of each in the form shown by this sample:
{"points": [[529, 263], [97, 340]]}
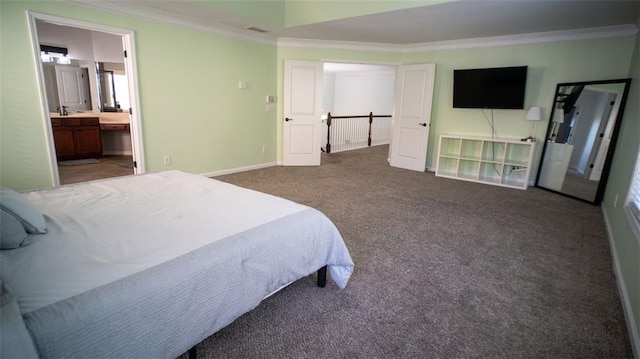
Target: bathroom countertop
{"points": [[105, 117]]}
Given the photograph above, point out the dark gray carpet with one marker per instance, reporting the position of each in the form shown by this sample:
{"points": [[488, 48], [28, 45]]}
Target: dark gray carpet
{"points": [[444, 269]]}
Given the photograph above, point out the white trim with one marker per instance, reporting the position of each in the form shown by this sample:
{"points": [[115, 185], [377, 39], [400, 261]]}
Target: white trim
{"points": [[268, 39], [132, 76], [135, 119], [532, 38], [239, 169], [44, 104], [634, 335], [339, 45]]}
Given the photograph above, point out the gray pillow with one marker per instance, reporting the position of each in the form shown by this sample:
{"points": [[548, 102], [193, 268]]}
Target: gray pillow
{"points": [[12, 233], [18, 206]]}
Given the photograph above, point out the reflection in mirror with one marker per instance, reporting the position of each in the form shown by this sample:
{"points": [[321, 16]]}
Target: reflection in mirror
{"points": [[112, 87], [107, 91], [581, 138]]}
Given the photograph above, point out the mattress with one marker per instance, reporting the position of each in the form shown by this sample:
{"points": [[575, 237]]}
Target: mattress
{"points": [[151, 265]]}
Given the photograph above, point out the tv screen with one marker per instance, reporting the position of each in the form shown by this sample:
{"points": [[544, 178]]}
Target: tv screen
{"points": [[500, 88]]}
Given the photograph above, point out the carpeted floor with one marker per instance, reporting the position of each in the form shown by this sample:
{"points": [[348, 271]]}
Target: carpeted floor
{"points": [[444, 269]]}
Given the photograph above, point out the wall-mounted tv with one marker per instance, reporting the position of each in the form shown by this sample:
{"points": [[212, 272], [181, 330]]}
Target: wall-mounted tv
{"points": [[499, 88]]}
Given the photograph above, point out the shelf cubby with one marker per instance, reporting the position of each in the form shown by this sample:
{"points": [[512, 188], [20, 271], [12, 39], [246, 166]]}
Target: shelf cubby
{"points": [[447, 167], [493, 151], [496, 161], [471, 149], [450, 147], [468, 169]]}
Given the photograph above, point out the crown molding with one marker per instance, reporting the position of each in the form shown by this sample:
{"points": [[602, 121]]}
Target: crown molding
{"points": [[267, 39], [532, 38], [339, 45], [508, 40], [174, 19]]}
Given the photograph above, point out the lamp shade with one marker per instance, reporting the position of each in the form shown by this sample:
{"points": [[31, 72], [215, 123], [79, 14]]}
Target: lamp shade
{"points": [[558, 116], [533, 114]]}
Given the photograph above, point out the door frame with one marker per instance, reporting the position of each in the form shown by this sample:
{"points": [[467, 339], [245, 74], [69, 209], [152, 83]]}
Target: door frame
{"points": [[281, 139], [128, 42]]}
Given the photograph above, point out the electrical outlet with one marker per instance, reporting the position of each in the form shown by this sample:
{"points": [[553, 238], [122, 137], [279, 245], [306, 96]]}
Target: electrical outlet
{"points": [[264, 148], [167, 160]]}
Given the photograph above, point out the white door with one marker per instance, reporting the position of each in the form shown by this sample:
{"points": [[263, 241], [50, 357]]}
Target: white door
{"points": [[412, 116], [71, 87], [303, 113]]}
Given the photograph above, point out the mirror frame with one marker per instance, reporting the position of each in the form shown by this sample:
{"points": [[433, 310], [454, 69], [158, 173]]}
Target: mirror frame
{"points": [[614, 137]]}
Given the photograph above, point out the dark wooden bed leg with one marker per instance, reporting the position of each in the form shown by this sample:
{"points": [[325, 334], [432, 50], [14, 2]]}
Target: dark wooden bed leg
{"points": [[193, 354], [322, 277]]}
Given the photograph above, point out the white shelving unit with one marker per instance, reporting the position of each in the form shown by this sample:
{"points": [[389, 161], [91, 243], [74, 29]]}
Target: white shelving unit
{"points": [[496, 161]]}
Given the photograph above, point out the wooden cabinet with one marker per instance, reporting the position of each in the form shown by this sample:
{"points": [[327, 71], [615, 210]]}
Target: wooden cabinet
{"points": [[76, 137], [495, 161]]}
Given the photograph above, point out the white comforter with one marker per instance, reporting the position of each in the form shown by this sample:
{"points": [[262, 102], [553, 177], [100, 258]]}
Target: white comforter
{"points": [[170, 231]]}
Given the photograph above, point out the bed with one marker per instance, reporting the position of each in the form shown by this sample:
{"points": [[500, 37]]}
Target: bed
{"points": [[150, 265]]}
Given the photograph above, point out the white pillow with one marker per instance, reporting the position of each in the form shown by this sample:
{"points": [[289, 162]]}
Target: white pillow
{"points": [[18, 206], [12, 233]]}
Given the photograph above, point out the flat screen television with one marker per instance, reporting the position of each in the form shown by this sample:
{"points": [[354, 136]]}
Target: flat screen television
{"points": [[499, 88]]}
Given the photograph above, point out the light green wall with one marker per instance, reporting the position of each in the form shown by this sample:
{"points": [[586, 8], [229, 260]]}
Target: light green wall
{"points": [[191, 106], [549, 64], [626, 246], [193, 110]]}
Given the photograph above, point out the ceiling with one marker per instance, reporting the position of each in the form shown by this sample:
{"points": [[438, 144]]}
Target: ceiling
{"points": [[448, 21]]}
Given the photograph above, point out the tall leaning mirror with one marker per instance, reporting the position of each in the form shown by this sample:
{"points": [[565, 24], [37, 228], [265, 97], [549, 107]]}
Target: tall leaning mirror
{"points": [[581, 138]]}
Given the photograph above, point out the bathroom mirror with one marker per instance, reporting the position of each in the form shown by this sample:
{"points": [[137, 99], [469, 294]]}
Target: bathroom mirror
{"points": [[106, 91], [581, 138], [111, 95]]}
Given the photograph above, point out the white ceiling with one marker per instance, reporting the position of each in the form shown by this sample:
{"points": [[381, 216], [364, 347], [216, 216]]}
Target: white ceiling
{"points": [[456, 20]]}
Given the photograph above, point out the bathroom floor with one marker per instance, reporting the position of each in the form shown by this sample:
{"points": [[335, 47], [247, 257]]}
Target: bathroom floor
{"points": [[108, 166]]}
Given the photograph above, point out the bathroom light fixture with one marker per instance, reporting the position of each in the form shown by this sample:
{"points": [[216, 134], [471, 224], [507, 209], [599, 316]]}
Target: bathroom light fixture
{"points": [[54, 53]]}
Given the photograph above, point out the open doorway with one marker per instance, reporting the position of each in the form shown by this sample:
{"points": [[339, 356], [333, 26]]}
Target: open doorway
{"points": [[358, 98], [89, 91]]}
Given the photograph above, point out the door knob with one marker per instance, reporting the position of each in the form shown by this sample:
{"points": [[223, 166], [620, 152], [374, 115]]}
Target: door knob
{"points": [[423, 124], [288, 119]]}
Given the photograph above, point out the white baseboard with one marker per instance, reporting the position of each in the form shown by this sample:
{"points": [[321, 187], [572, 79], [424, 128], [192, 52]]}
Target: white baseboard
{"points": [[624, 294], [238, 169]]}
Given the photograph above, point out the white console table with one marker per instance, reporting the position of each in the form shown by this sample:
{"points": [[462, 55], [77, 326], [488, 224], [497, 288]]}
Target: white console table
{"points": [[495, 161]]}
